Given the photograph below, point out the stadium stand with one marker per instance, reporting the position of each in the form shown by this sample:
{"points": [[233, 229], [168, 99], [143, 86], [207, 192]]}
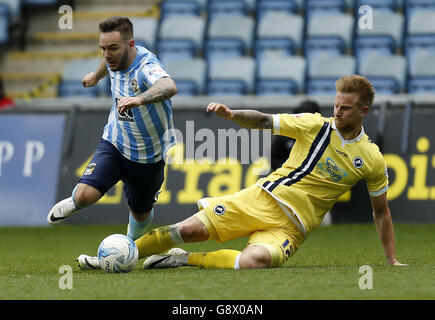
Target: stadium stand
{"points": [[413, 6], [385, 39], [281, 76], [4, 24], [422, 76], [231, 76], [200, 4], [420, 39], [145, 31], [264, 7], [323, 73], [219, 8], [180, 8], [229, 36], [279, 33], [329, 35], [315, 8], [200, 32], [381, 5], [70, 85], [180, 37], [388, 73], [190, 75], [39, 2]]}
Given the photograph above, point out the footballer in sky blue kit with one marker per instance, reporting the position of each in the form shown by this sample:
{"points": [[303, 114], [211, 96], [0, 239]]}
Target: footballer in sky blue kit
{"points": [[138, 133]]}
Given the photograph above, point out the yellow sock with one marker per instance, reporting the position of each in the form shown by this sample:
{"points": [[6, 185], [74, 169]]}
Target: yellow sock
{"points": [[158, 240], [221, 259]]}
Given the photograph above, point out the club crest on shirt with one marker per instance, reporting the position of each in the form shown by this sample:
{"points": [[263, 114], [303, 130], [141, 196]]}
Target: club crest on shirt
{"points": [[133, 85], [331, 170], [219, 209], [89, 169], [358, 162]]}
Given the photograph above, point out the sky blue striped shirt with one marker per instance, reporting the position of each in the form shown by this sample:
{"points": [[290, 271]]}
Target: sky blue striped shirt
{"points": [[142, 134]]}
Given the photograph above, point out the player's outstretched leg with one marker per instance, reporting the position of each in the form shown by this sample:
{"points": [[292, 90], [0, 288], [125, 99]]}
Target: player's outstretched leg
{"points": [[254, 256], [82, 196], [176, 257], [61, 211]]}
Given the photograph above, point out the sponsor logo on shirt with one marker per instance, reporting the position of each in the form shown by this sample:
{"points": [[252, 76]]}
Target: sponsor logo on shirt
{"points": [[331, 170]]}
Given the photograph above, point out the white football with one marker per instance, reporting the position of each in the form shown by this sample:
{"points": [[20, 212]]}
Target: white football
{"points": [[118, 253]]}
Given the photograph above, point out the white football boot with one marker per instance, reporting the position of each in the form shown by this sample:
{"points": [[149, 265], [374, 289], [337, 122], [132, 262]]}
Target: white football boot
{"points": [[61, 211], [88, 262], [174, 258]]}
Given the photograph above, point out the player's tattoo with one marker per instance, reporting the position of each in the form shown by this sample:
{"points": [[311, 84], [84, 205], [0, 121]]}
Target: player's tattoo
{"points": [[253, 119], [161, 90]]}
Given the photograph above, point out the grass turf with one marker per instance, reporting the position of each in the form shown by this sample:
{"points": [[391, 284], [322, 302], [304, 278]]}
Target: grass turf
{"points": [[325, 267]]}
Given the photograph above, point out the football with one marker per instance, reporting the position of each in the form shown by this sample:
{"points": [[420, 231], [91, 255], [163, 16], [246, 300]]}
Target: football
{"points": [[118, 253]]}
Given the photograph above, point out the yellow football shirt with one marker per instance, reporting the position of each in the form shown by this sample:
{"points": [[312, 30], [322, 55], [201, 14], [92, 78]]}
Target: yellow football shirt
{"points": [[322, 166]]}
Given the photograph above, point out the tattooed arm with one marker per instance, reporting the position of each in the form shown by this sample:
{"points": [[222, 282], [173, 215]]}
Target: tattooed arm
{"points": [[251, 119], [161, 90]]}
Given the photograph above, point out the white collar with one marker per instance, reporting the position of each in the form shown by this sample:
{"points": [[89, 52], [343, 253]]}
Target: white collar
{"points": [[344, 141]]}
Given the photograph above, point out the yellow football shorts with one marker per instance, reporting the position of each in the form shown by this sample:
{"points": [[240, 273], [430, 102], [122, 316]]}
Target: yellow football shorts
{"points": [[251, 211]]}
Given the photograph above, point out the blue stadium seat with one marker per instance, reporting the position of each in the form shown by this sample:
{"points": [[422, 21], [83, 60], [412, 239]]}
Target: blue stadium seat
{"points": [[202, 4], [388, 73], [281, 76], [170, 8], [413, 6], [180, 37], [73, 72], [421, 35], [372, 46], [328, 35], [175, 49], [40, 2], [229, 36], [323, 73], [190, 75], [422, 76], [385, 39], [321, 7], [279, 34], [419, 45], [225, 8], [264, 7], [4, 24], [218, 48], [232, 76], [14, 8], [68, 88], [322, 47], [145, 31], [379, 5]]}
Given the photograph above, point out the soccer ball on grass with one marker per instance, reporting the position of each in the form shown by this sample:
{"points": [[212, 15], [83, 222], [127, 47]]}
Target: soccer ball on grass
{"points": [[118, 253]]}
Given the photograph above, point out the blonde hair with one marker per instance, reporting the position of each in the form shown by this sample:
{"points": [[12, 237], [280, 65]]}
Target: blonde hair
{"points": [[357, 84]]}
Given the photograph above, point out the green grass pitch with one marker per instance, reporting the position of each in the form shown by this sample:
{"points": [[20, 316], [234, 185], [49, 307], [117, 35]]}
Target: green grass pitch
{"points": [[326, 267]]}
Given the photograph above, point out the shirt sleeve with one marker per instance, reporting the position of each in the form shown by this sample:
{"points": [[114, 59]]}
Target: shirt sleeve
{"points": [[294, 125], [377, 181], [152, 70]]}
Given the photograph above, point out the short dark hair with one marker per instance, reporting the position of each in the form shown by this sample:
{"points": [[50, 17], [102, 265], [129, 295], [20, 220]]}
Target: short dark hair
{"points": [[116, 23]]}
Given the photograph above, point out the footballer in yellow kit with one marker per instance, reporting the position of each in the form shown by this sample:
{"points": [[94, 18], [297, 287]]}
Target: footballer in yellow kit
{"points": [[330, 156], [322, 167]]}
